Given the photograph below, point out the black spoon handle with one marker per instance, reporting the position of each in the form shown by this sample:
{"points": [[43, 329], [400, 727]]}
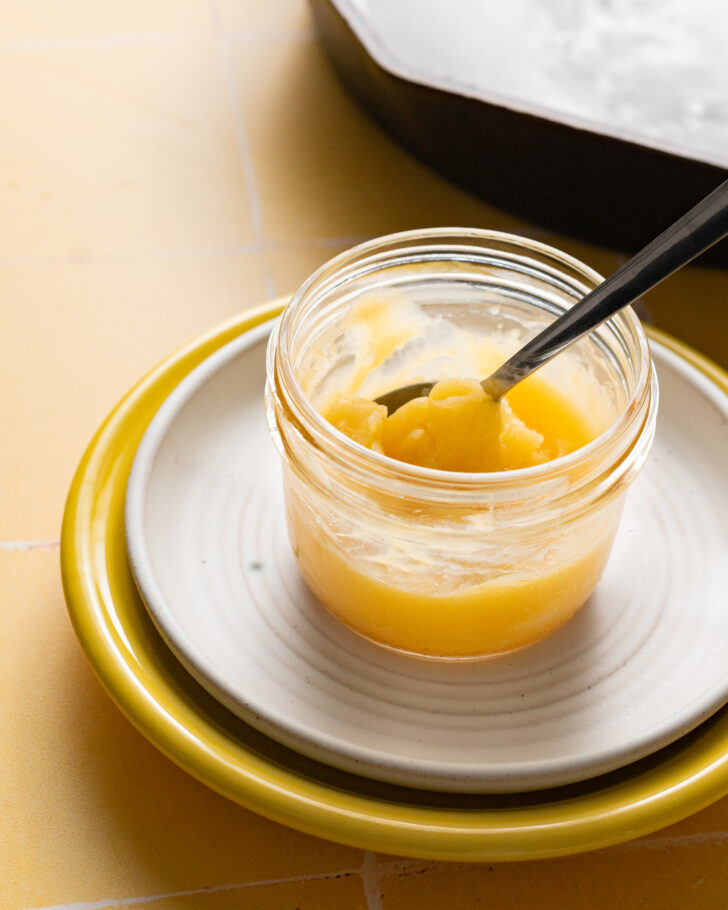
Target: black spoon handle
{"points": [[698, 229]]}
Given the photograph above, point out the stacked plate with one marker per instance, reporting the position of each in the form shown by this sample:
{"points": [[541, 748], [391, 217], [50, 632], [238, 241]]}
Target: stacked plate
{"points": [[185, 594]]}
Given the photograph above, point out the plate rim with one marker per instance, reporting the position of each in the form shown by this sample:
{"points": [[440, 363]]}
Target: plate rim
{"points": [[637, 806], [345, 753]]}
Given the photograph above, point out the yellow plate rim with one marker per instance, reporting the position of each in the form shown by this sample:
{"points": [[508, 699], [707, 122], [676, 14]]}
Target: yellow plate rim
{"points": [[678, 785]]}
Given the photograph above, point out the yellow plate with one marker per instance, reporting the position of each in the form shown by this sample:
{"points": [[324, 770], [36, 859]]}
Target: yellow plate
{"points": [[190, 727]]}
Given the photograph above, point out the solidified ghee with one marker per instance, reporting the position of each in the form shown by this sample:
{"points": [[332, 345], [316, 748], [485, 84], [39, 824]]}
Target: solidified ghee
{"points": [[458, 609], [458, 427]]}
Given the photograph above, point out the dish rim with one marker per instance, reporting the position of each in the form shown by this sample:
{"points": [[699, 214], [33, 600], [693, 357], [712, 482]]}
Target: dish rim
{"points": [[346, 753], [646, 801]]}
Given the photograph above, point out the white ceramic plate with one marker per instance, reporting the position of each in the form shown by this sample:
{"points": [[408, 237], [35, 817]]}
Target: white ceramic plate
{"points": [[641, 664]]}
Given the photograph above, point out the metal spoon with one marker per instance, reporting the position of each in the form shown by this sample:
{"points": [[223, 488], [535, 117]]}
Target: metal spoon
{"points": [[701, 227]]}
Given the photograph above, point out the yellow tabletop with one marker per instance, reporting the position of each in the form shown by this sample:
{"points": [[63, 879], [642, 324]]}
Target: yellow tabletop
{"points": [[166, 164]]}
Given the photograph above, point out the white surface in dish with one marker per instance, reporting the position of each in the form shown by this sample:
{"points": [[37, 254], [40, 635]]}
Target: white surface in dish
{"points": [[655, 71], [641, 664]]}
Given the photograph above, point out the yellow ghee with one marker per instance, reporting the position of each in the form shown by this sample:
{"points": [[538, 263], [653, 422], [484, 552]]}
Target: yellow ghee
{"points": [[457, 612], [494, 617], [458, 427]]}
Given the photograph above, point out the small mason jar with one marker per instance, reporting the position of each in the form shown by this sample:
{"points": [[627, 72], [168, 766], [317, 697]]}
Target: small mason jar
{"points": [[445, 564]]}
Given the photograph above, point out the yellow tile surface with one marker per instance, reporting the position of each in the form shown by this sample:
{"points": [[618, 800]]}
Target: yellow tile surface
{"points": [[119, 150], [163, 165], [83, 333], [709, 821], [288, 265], [343, 892], [679, 878], [288, 268], [241, 16], [91, 810], [332, 172], [26, 20], [693, 305]]}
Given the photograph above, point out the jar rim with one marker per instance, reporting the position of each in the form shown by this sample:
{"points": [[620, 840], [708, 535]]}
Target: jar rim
{"points": [[353, 454]]}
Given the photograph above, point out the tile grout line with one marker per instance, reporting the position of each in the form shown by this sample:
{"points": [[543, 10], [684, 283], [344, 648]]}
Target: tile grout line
{"points": [[407, 866], [234, 101], [271, 288], [243, 248], [215, 17], [271, 35], [245, 153], [370, 872], [159, 254], [104, 42], [22, 546], [667, 843], [371, 881], [131, 901], [91, 42]]}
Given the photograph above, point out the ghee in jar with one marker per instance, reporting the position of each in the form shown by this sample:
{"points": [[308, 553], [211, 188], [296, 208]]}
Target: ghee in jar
{"points": [[458, 427], [381, 587]]}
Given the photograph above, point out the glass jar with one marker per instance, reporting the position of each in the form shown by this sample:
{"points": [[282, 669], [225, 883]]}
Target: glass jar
{"points": [[438, 563]]}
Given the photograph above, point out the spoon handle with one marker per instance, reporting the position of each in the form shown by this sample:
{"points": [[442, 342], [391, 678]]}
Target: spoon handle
{"points": [[698, 229]]}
